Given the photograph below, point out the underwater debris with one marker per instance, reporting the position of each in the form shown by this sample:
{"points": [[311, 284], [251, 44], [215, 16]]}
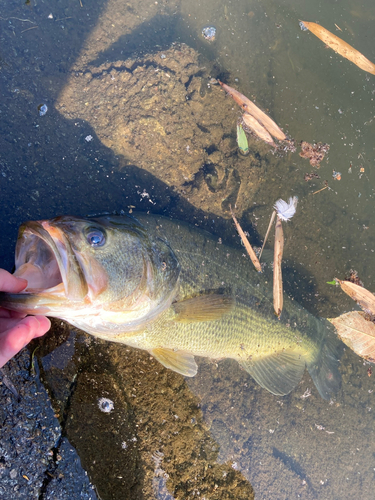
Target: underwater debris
{"points": [[209, 33], [242, 143], [357, 328], [339, 46], [357, 332], [314, 152], [105, 405], [251, 109], [313, 175], [250, 251], [268, 232], [285, 212], [354, 278], [363, 297], [277, 273], [42, 108], [257, 128]]}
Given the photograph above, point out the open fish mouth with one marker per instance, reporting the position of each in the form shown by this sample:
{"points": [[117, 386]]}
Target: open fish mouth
{"points": [[46, 258]]}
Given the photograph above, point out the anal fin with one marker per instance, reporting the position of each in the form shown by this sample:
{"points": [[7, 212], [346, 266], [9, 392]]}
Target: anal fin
{"points": [[178, 361], [279, 373]]}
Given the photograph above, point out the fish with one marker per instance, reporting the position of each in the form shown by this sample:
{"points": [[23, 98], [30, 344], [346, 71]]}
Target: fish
{"points": [[250, 108], [172, 289], [341, 47]]}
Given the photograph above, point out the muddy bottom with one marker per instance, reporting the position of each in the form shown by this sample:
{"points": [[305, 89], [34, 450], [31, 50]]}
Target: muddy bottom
{"points": [[162, 113]]}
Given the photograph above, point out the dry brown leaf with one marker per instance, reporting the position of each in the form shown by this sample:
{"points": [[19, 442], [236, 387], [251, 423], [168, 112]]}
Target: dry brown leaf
{"points": [[341, 47], [357, 333], [249, 107], [363, 297], [277, 273], [249, 248], [258, 129]]}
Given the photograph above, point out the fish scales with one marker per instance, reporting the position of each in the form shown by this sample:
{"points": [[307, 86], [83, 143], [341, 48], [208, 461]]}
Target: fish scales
{"points": [[173, 290], [251, 326]]}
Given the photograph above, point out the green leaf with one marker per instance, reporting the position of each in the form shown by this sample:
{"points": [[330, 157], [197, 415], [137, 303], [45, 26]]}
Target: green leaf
{"points": [[242, 140], [333, 282]]}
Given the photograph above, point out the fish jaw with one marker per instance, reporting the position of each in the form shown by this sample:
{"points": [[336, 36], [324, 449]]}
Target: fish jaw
{"points": [[57, 286], [45, 257]]}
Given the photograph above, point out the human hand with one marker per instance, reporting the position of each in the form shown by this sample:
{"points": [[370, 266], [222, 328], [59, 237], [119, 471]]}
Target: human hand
{"points": [[16, 330]]}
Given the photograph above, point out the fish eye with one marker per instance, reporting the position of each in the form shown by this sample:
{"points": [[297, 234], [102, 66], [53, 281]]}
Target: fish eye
{"points": [[96, 238]]}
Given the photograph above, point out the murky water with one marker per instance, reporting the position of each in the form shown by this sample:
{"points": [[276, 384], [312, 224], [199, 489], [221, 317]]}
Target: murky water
{"points": [[134, 123]]}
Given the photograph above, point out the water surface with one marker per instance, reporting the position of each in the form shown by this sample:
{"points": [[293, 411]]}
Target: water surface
{"points": [[133, 122]]}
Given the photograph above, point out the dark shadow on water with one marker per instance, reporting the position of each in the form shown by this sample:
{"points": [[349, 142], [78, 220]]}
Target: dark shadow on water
{"points": [[154, 35]]}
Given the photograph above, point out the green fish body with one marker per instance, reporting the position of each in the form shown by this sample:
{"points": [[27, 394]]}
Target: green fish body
{"points": [[175, 291]]}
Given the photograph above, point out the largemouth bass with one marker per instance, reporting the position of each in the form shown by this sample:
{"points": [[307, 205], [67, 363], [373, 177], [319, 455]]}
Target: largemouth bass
{"points": [[173, 290]]}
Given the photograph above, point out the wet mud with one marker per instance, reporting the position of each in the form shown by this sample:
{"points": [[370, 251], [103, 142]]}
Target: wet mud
{"points": [[162, 113]]}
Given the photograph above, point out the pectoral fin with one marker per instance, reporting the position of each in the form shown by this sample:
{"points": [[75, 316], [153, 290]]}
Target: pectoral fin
{"points": [[207, 307], [177, 361], [278, 373]]}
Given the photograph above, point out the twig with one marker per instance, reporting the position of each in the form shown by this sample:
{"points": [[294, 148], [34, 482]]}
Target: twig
{"points": [[250, 251], [28, 29], [268, 232], [18, 19], [325, 187], [277, 274]]}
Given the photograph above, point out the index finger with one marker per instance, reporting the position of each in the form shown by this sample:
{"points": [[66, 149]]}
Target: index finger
{"points": [[10, 283]]}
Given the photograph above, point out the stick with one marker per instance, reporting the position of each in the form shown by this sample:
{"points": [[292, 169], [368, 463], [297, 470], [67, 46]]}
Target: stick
{"points": [[277, 274], [250, 251], [268, 232], [28, 29], [18, 19], [325, 187]]}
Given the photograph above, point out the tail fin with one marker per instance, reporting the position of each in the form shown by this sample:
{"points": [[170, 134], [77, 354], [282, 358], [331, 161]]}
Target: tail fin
{"points": [[324, 367]]}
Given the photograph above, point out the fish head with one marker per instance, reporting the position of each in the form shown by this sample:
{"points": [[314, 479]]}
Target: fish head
{"points": [[99, 271]]}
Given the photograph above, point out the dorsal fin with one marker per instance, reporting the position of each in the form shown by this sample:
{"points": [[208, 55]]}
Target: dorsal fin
{"points": [[279, 373], [177, 361], [208, 307]]}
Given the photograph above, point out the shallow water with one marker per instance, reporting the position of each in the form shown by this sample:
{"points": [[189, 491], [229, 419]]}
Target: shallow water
{"points": [[133, 121]]}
